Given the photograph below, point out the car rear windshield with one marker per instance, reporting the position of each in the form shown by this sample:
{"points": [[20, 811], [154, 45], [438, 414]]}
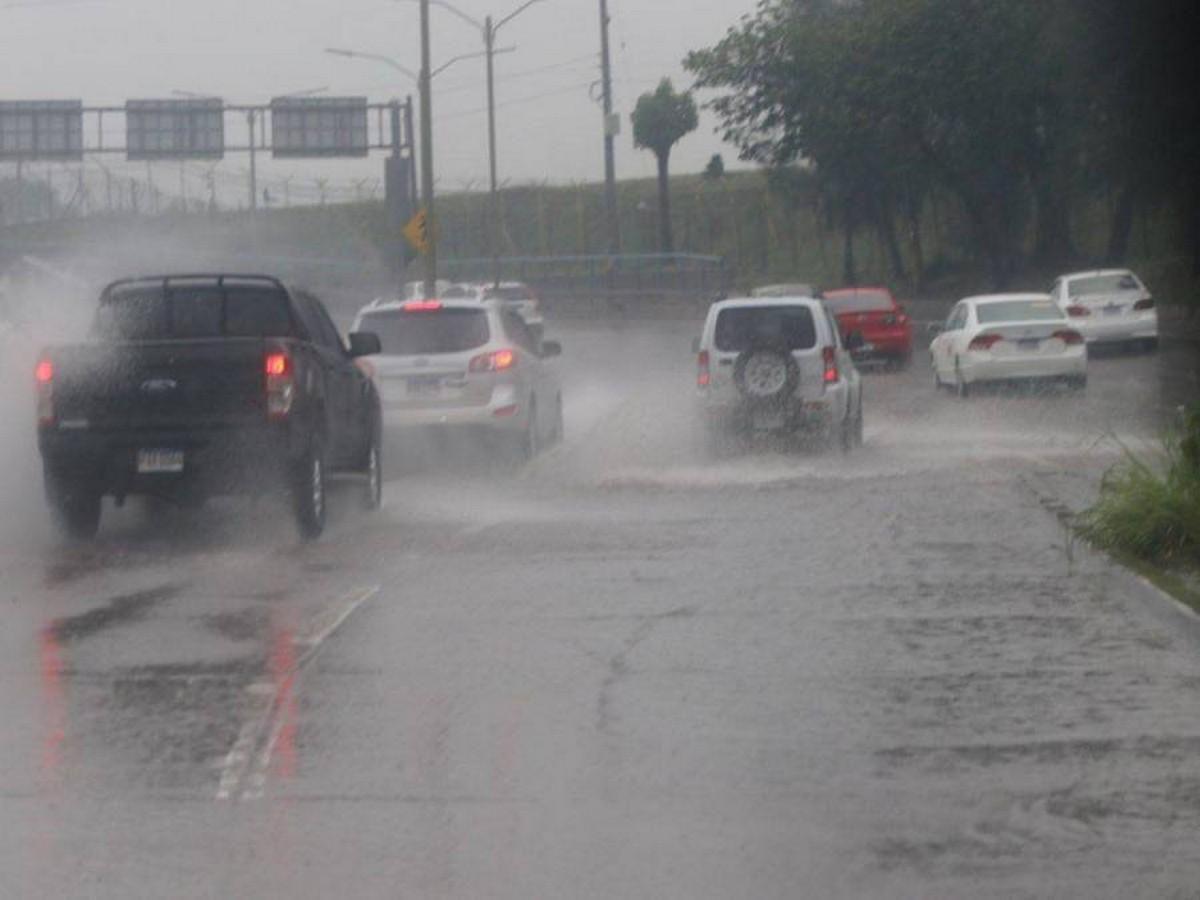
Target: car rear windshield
{"points": [[859, 302], [784, 290], [144, 313], [746, 327], [1103, 284], [1018, 311], [508, 292], [428, 332]]}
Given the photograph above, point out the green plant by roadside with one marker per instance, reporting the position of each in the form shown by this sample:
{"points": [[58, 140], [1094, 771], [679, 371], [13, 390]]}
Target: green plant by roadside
{"points": [[1151, 509]]}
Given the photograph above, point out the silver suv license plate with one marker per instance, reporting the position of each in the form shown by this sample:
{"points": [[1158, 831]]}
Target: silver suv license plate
{"points": [[159, 462]]}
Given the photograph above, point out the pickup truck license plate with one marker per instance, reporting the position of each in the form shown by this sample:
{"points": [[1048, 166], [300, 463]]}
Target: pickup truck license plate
{"points": [[159, 462]]}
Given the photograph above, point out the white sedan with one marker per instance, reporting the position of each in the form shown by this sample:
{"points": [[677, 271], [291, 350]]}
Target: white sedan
{"points": [[1007, 338], [1109, 306]]}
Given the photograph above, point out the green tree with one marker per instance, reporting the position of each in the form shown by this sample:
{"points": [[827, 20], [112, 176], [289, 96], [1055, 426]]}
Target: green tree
{"points": [[885, 97], [715, 170], [660, 120]]}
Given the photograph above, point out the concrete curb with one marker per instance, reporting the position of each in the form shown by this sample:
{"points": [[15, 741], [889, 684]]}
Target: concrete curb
{"points": [[1167, 609], [1164, 607]]}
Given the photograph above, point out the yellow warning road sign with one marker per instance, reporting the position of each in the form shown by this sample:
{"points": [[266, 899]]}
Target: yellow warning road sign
{"points": [[416, 232]]}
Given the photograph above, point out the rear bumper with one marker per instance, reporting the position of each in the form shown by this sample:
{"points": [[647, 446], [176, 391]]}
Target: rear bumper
{"points": [[217, 461], [795, 415], [1100, 329], [885, 346], [978, 367], [504, 412]]}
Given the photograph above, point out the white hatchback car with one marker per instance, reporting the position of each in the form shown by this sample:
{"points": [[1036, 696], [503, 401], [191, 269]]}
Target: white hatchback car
{"points": [[1109, 306], [465, 365], [1007, 338], [778, 365]]}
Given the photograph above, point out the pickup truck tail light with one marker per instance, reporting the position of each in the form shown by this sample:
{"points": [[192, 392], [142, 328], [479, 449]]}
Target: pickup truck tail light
{"points": [[703, 372], [829, 355], [498, 361], [985, 342], [43, 375], [1068, 337], [281, 384]]}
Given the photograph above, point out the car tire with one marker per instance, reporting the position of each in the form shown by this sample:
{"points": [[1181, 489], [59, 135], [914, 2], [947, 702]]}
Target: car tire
{"points": [[1148, 345], [309, 493], [961, 388], [845, 433], [372, 497], [1077, 382], [75, 507], [859, 439], [791, 377], [529, 442]]}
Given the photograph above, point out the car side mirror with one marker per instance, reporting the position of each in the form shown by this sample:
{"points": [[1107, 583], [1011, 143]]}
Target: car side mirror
{"points": [[935, 328], [364, 343], [854, 341], [550, 349], [695, 345]]}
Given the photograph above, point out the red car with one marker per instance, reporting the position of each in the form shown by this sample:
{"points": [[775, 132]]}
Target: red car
{"points": [[874, 313]]}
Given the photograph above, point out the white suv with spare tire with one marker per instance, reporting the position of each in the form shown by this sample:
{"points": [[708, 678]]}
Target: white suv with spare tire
{"points": [[779, 366]]}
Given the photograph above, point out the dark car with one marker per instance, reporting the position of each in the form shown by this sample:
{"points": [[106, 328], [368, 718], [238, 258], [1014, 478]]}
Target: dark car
{"points": [[192, 386]]}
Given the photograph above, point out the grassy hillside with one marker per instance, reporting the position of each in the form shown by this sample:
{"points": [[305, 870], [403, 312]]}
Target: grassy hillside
{"points": [[765, 231]]}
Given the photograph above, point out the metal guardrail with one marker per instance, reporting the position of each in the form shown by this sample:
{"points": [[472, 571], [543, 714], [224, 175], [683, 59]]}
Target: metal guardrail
{"points": [[651, 276]]}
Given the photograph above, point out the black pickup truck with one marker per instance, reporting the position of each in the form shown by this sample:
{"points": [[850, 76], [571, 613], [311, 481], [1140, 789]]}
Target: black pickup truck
{"points": [[199, 385]]}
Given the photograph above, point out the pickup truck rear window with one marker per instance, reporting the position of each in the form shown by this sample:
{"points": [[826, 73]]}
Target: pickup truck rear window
{"points": [[149, 313], [428, 332], [743, 328]]}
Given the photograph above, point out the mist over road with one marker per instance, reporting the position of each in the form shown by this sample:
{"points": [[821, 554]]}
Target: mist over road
{"points": [[625, 670]]}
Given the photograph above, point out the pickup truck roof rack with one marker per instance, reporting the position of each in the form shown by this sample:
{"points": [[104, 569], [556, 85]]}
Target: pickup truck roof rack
{"points": [[166, 280]]}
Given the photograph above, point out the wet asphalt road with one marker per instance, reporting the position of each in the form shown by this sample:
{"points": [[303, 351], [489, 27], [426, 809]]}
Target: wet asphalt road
{"points": [[627, 670]]}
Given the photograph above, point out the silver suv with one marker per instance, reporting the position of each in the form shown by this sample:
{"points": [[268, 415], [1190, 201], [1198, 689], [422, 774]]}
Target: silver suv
{"points": [[465, 365], [778, 366]]}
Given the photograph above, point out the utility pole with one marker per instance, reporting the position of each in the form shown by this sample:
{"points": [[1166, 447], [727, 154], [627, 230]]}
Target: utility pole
{"points": [[610, 137], [489, 41], [427, 153], [251, 120]]}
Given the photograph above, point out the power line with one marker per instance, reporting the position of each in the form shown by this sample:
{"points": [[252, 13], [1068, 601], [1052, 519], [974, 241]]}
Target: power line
{"points": [[530, 99], [513, 76]]}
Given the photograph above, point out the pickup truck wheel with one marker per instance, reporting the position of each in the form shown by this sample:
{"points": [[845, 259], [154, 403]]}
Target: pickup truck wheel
{"points": [[373, 489], [309, 494], [559, 432], [74, 506]]}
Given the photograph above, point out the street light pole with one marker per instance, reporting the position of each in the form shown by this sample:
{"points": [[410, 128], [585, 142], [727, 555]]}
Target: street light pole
{"points": [[489, 27], [427, 153]]}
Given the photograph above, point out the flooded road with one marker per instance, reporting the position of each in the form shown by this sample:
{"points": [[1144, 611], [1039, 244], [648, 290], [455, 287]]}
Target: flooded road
{"points": [[626, 670]]}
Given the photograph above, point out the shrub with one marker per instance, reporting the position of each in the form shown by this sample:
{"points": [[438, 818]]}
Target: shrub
{"points": [[1152, 510]]}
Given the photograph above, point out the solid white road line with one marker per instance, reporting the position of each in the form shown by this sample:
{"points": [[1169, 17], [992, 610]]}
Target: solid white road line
{"points": [[244, 769]]}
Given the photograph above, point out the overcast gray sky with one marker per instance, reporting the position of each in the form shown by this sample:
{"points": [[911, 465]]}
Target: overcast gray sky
{"points": [[107, 51]]}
